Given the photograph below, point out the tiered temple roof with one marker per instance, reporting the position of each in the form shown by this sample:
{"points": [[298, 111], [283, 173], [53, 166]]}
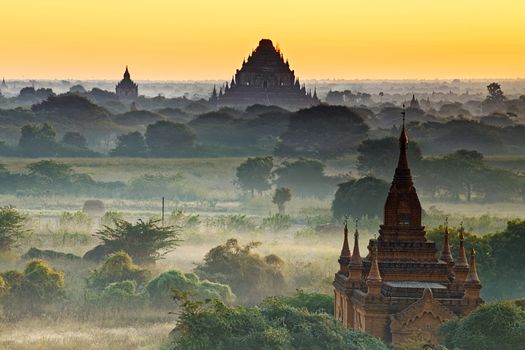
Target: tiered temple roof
{"points": [[401, 289], [265, 78], [126, 89]]}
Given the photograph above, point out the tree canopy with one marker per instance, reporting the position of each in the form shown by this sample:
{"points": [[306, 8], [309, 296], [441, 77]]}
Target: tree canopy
{"points": [[254, 174]]}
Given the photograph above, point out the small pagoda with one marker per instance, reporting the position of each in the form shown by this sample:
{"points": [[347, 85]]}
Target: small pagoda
{"points": [[126, 89], [401, 290], [264, 78]]}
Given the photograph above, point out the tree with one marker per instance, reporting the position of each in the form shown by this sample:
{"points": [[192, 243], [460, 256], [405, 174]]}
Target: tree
{"points": [[145, 242], [254, 174], [166, 139], [38, 141], [118, 267], [494, 326], [131, 144], [280, 197], [365, 196], [75, 139], [33, 290], [305, 177], [495, 93], [376, 157], [322, 132], [250, 276], [273, 324], [12, 228], [50, 169]]}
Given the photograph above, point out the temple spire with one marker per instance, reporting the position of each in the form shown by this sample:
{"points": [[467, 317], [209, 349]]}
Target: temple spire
{"points": [[462, 258], [473, 272], [344, 258], [374, 275], [446, 255], [126, 73], [356, 256]]}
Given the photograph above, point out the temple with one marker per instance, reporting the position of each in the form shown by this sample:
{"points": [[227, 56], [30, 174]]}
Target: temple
{"points": [[414, 103], [401, 290], [127, 91], [264, 78]]}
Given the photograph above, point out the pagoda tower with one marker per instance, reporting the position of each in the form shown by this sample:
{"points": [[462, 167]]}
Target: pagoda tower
{"points": [[266, 78], [126, 90], [401, 290]]}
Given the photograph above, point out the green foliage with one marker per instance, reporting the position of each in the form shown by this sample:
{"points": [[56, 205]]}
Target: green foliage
{"points": [[158, 185], [272, 325], [74, 139], [167, 139], [305, 177], [495, 326], [118, 267], [499, 258], [250, 276], [377, 157], [145, 242], [313, 302], [117, 295], [110, 217], [365, 196], [12, 228], [322, 132], [277, 222], [33, 290], [232, 223], [254, 174], [38, 141], [280, 197], [131, 144], [160, 289], [75, 219]]}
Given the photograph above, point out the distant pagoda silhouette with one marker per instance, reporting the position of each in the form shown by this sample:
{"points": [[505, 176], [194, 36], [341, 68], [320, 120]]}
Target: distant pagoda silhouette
{"points": [[126, 90], [401, 289], [264, 78]]}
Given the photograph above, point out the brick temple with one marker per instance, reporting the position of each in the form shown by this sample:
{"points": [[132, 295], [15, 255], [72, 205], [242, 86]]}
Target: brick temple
{"points": [[264, 78], [401, 290]]}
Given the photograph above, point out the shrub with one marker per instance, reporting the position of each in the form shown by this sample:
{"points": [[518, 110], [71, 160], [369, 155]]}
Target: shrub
{"points": [[277, 222], [116, 295], [33, 290], [118, 267], [145, 242], [161, 288], [494, 326], [313, 302], [272, 325], [250, 276], [12, 228]]}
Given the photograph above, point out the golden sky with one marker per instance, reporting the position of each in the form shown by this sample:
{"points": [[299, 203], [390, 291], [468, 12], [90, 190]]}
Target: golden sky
{"points": [[202, 39]]}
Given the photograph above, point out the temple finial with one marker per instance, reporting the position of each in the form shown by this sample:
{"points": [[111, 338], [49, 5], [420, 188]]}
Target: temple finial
{"points": [[344, 258], [446, 255], [374, 275], [473, 271], [462, 257], [356, 255]]}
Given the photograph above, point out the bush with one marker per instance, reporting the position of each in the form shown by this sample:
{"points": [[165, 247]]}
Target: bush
{"points": [[250, 276], [313, 302], [277, 222], [272, 325], [494, 326], [12, 225], [33, 290], [161, 288], [118, 267], [145, 242], [121, 294]]}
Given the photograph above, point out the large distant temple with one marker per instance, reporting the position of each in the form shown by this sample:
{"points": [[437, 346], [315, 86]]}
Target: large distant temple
{"points": [[126, 89], [401, 290], [265, 78]]}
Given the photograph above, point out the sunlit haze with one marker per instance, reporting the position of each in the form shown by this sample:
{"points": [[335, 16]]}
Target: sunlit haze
{"points": [[198, 40]]}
